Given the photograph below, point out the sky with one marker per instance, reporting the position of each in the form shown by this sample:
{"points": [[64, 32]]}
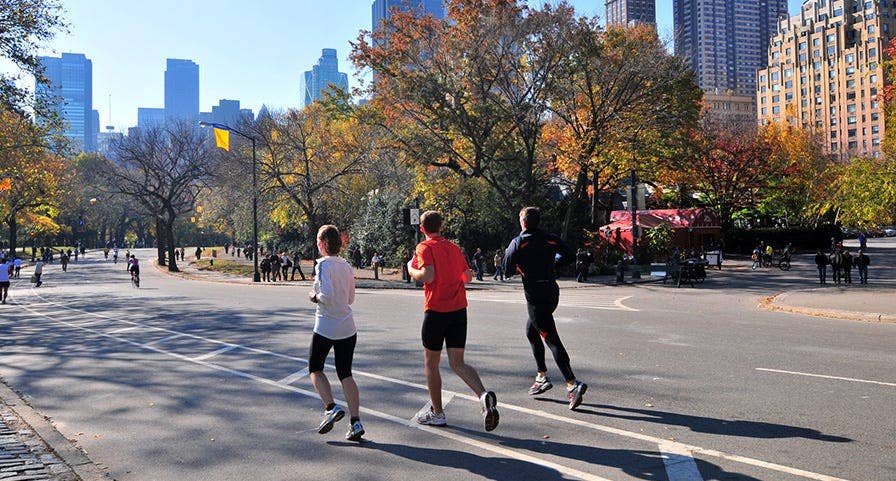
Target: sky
{"points": [[253, 52]]}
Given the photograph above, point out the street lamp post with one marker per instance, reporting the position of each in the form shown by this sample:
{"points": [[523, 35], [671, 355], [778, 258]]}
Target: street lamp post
{"points": [[256, 276]]}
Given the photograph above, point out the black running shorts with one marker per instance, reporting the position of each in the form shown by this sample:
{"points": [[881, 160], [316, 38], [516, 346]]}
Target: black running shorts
{"points": [[343, 352], [448, 328]]}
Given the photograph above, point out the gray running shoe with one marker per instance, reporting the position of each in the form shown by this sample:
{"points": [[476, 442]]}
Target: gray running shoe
{"points": [[330, 418], [576, 393], [431, 418], [540, 385], [355, 431], [489, 411]]}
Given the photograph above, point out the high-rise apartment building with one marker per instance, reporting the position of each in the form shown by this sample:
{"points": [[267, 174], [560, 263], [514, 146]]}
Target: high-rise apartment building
{"points": [[726, 41], [628, 13], [181, 90], [382, 9], [319, 79], [71, 81], [825, 73]]}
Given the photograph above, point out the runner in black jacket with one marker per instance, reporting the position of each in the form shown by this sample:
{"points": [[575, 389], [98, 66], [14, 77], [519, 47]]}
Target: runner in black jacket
{"points": [[533, 255]]}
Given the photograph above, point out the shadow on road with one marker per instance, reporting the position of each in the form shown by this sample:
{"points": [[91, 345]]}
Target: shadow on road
{"points": [[702, 424]]}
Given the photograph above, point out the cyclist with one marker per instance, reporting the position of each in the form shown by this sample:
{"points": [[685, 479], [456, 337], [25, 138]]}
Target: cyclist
{"points": [[115, 255], [134, 268]]}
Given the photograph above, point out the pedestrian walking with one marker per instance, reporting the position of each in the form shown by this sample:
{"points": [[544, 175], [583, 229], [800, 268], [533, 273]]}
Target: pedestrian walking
{"points": [[297, 265], [862, 262], [583, 263], [821, 261], [478, 258], [534, 254], [285, 264], [835, 260], [334, 328], [7, 266], [846, 265], [275, 267], [375, 262], [265, 266], [440, 265], [63, 260], [38, 272], [757, 258], [499, 265], [198, 253]]}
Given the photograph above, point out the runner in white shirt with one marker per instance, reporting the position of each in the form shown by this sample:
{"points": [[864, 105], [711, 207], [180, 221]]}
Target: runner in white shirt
{"points": [[334, 327], [5, 267]]}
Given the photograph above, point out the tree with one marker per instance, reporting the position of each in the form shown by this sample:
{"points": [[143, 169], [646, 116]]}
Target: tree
{"points": [[312, 162], [31, 177], [865, 192], [163, 169], [466, 94], [619, 98], [25, 27]]}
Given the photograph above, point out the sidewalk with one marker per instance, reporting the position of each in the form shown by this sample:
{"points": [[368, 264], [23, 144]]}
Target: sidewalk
{"points": [[32, 449], [850, 302]]}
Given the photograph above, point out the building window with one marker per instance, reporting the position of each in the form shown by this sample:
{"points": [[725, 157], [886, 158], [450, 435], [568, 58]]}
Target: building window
{"points": [[851, 120], [853, 144], [875, 141], [788, 84], [776, 109], [875, 129], [776, 98], [802, 45], [872, 52], [833, 134], [851, 108], [873, 79], [833, 145], [833, 121], [816, 41], [764, 111], [850, 58], [849, 71], [870, 29], [831, 38], [762, 100], [850, 83], [851, 133]]}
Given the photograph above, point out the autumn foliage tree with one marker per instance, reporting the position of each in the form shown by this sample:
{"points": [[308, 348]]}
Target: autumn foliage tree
{"points": [[31, 178]]}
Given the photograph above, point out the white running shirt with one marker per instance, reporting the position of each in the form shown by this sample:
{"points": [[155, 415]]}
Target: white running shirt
{"points": [[334, 284]]}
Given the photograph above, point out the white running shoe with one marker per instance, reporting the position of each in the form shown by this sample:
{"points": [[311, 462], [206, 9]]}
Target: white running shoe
{"points": [[431, 418], [330, 418]]}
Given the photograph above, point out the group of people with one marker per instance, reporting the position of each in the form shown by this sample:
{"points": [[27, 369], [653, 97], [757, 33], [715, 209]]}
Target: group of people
{"points": [[275, 267], [11, 268], [763, 255], [842, 263], [442, 268]]}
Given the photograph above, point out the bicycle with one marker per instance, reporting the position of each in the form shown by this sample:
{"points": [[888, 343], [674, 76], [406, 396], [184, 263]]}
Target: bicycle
{"points": [[135, 279]]}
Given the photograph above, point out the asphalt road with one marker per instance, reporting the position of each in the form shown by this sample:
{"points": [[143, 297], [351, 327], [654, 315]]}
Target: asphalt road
{"points": [[196, 380]]}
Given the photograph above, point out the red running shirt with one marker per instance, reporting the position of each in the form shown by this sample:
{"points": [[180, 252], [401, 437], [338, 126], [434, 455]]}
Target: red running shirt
{"points": [[446, 292]]}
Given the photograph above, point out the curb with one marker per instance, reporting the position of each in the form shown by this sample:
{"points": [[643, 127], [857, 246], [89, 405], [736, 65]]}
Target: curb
{"points": [[771, 303], [71, 455]]}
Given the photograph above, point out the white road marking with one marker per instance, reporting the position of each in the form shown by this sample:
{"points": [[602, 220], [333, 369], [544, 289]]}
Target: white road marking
{"points": [[124, 329], [214, 353], [881, 383], [680, 464], [546, 415], [294, 377], [164, 339]]}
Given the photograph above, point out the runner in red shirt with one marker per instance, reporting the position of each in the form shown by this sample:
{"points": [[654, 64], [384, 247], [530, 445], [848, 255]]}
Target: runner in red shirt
{"points": [[440, 265]]}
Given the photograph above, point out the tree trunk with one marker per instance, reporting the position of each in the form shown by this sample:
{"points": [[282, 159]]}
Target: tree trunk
{"points": [[169, 241], [13, 228], [161, 239], [571, 207]]}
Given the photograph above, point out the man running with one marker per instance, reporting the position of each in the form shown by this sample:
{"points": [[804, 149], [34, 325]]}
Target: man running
{"points": [[533, 254], [442, 268]]}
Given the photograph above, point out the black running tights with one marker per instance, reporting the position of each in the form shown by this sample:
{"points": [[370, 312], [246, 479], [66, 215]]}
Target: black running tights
{"points": [[541, 327]]}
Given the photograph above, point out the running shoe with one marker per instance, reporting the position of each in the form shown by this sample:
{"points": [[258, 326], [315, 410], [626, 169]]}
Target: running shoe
{"points": [[540, 385], [576, 393], [431, 418], [489, 411], [330, 418], [355, 432]]}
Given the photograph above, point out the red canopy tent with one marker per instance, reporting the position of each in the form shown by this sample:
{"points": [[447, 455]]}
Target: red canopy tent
{"points": [[692, 227]]}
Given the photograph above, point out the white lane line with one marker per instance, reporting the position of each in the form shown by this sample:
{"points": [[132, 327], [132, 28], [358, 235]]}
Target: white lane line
{"points": [[382, 415], [881, 383], [124, 329], [585, 424], [213, 353], [680, 464], [164, 339], [294, 377]]}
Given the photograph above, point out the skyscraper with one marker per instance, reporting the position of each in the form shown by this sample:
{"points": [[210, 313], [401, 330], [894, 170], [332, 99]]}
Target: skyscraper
{"points": [[726, 41], [150, 117], [631, 12], [825, 74], [321, 76], [71, 80], [381, 9], [181, 90]]}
